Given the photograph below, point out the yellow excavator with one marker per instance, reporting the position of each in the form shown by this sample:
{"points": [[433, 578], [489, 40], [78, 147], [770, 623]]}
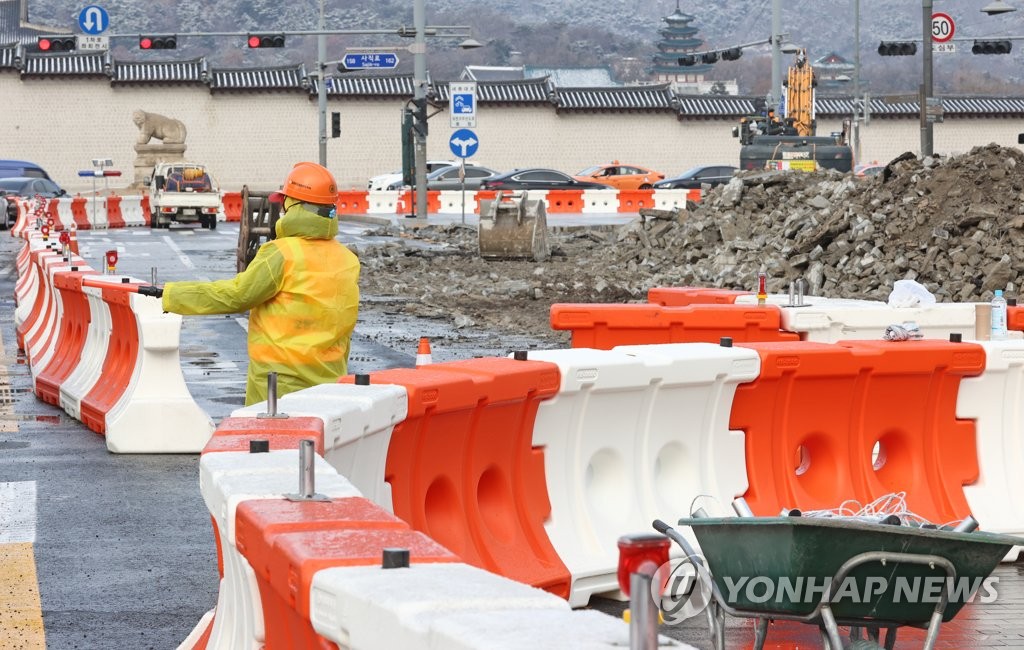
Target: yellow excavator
{"points": [[768, 142]]}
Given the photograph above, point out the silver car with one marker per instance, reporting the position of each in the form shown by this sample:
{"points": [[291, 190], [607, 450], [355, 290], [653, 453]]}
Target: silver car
{"points": [[447, 178]]}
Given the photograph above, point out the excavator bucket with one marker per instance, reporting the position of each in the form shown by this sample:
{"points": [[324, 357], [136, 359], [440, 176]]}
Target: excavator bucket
{"points": [[513, 228]]}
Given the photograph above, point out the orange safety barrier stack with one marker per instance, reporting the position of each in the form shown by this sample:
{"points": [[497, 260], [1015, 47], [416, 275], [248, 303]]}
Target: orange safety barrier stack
{"points": [[813, 417], [79, 214], [1015, 318], [122, 352], [147, 211], [463, 469], [684, 296], [633, 200], [114, 217], [286, 543], [53, 213], [603, 327], [234, 434], [70, 337], [232, 202], [354, 202], [565, 201]]}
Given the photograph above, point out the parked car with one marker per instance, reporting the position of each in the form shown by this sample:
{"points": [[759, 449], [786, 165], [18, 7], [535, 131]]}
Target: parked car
{"points": [[447, 178], [23, 187], [538, 179], [869, 169], [621, 177], [21, 169], [693, 179], [393, 180]]}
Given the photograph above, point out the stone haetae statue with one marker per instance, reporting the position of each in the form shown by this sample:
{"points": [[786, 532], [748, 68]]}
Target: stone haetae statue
{"points": [[171, 148], [152, 125]]}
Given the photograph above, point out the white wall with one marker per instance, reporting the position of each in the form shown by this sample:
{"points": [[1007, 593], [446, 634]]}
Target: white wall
{"points": [[255, 137]]}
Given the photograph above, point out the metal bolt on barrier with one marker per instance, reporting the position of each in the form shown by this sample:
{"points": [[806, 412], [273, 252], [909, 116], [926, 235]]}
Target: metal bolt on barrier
{"points": [[362, 380], [259, 446], [519, 355], [395, 558], [307, 476], [725, 341], [271, 411], [956, 337]]}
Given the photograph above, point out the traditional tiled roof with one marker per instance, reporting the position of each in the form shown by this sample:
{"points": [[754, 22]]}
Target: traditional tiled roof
{"points": [[134, 72], [65, 64], [621, 98], [367, 85], [526, 91], [704, 106], [283, 78]]}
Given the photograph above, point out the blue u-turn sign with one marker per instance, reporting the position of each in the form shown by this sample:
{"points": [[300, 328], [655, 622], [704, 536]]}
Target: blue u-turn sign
{"points": [[93, 20]]}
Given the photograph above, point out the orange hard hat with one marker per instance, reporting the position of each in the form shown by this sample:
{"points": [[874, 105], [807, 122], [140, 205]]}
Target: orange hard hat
{"points": [[308, 182]]}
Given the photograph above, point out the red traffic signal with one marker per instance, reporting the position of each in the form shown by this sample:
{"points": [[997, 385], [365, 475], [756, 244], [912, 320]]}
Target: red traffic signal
{"points": [[158, 42], [266, 40], [55, 43]]}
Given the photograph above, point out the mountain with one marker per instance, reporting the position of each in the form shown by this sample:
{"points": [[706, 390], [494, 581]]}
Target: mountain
{"points": [[620, 34]]}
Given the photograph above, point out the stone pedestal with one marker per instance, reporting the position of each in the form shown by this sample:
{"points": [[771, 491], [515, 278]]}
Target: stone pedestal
{"points": [[148, 155]]}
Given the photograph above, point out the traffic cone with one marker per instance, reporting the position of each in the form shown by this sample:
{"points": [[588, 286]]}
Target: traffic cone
{"points": [[423, 352], [73, 244]]}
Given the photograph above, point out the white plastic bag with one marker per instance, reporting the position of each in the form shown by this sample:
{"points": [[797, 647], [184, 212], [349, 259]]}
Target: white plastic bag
{"points": [[910, 293]]}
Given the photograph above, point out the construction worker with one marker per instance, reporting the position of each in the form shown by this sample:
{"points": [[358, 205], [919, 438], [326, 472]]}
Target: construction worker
{"points": [[301, 291]]}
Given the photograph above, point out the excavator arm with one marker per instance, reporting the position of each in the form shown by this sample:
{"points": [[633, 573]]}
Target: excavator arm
{"points": [[800, 84]]}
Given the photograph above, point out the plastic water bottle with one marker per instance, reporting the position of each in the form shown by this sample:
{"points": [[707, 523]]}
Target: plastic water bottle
{"points": [[998, 316]]}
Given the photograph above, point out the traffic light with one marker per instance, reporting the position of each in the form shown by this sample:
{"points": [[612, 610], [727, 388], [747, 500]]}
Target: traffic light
{"points": [[166, 42], [991, 47], [335, 125], [419, 116], [266, 40], [732, 54], [55, 43], [688, 60], [897, 48]]}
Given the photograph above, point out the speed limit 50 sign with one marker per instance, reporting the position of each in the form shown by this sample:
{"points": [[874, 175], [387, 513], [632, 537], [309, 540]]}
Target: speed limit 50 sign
{"points": [[943, 27]]}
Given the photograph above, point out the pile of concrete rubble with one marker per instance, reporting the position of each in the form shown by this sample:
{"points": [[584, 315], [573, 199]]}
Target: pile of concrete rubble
{"points": [[952, 223]]}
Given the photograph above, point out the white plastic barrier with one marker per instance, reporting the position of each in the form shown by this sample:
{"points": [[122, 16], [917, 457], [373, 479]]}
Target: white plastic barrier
{"points": [[782, 300], [383, 202], [358, 422], [451, 201], [96, 212], [28, 290], [156, 413], [600, 202], [993, 400], [85, 375], [635, 433], [131, 211], [828, 323], [38, 332], [451, 606], [39, 355], [225, 480], [64, 210], [670, 199]]}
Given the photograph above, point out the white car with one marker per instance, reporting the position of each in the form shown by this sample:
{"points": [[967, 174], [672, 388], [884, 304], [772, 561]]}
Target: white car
{"points": [[393, 181]]}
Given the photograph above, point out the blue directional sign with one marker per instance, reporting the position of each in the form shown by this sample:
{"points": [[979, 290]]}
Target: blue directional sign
{"points": [[94, 20], [363, 60], [462, 104], [463, 143]]}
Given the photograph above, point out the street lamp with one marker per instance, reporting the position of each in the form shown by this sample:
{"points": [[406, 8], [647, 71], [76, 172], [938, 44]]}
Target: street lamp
{"points": [[997, 7]]}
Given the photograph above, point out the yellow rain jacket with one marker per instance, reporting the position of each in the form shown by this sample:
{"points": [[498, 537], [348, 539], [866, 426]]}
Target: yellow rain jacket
{"points": [[302, 293]]}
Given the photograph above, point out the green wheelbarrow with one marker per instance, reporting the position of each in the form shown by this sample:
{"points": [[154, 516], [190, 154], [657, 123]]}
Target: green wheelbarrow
{"points": [[831, 572]]}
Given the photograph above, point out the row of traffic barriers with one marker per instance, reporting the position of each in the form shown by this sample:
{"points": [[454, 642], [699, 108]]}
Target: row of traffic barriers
{"points": [[532, 466], [103, 352], [325, 567], [82, 213]]}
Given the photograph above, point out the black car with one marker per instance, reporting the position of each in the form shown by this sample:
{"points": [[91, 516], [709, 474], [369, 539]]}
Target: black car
{"points": [[693, 179], [447, 178], [538, 179], [23, 187]]}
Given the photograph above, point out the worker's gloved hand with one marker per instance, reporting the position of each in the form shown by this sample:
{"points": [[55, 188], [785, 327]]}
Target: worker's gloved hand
{"points": [[150, 290]]}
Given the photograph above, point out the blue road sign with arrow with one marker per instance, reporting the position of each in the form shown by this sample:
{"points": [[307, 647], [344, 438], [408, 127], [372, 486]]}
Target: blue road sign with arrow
{"points": [[94, 20], [363, 60], [463, 143]]}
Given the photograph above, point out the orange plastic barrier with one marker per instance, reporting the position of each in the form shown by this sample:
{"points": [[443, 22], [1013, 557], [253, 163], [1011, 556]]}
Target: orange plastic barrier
{"points": [[53, 213], [684, 296], [814, 415], [38, 300], [234, 434], [565, 201], [463, 469], [605, 326], [114, 217], [122, 352], [354, 202], [483, 195], [1015, 318], [232, 202], [147, 211], [633, 200], [694, 195], [286, 543], [79, 214], [407, 202], [70, 337]]}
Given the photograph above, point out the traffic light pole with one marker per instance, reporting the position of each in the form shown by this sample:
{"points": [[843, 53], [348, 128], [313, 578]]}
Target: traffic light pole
{"points": [[927, 131], [419, 80]]}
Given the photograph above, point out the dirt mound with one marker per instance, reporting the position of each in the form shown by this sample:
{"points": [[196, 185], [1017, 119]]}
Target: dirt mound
{"points": [[954, 224]]}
